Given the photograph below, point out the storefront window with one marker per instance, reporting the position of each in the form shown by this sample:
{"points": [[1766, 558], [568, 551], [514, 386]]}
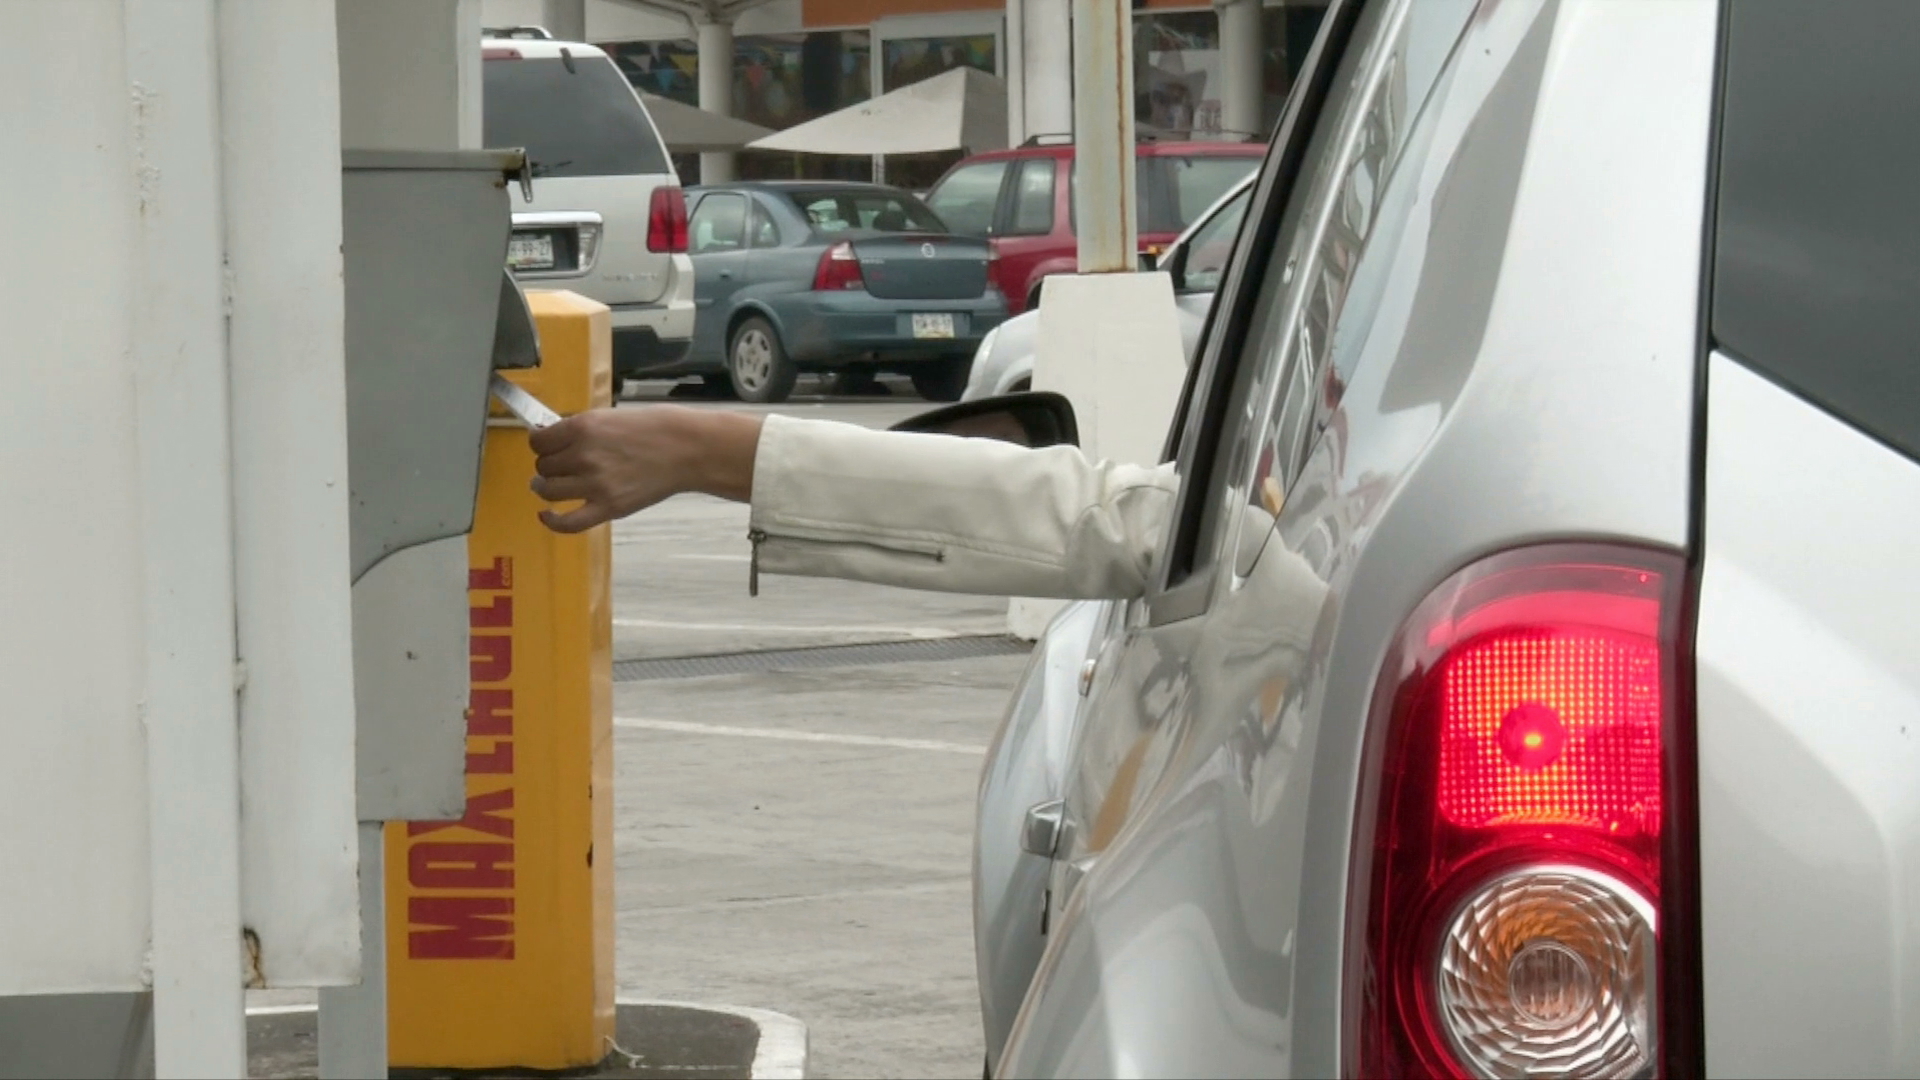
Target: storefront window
{"points": [[1177, 67], [779, 80], [1176, 76]]}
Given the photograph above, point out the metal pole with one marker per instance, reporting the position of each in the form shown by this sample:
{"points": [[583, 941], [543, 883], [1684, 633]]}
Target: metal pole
{"points": [[184, 457], [716, 88], [1103, 136]]}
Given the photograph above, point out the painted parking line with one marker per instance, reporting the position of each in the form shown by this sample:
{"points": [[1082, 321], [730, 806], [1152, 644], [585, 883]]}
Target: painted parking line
{"points": [[684, 727], [923, 633]]}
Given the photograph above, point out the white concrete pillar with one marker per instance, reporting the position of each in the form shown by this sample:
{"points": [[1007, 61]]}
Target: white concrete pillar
{"points": [[565, 19], [715, 40], [183, 491], [1046, 66], [409, 74], [1241, 57]]}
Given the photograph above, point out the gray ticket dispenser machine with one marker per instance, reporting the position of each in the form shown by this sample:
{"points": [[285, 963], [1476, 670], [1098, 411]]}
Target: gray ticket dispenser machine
{"points": [[430, 312]]}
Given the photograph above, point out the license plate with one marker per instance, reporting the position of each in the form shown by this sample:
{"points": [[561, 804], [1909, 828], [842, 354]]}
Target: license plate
{"points": [[530, 251], [935, 325]]}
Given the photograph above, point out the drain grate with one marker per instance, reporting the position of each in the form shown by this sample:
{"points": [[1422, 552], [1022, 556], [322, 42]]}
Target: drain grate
{"points": [[820, 656]]}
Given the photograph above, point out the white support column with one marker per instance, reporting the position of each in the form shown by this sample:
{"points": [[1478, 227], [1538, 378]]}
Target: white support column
{"points": [[715, 40], [1047, 66], [1016, 68], [1242, 53], [565, 19], [1103, 136], [188, 707]]}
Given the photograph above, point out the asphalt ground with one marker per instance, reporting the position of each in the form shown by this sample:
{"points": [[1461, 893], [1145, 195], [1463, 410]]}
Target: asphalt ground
{"points": [[799, 838]]}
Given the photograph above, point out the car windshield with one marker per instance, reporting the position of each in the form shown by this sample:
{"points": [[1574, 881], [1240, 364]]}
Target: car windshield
{"points": [[874, 211], [584, 122]]}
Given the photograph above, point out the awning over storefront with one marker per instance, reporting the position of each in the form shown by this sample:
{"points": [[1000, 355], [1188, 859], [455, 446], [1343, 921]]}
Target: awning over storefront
{"points": [[687, 130], [962, 109]]}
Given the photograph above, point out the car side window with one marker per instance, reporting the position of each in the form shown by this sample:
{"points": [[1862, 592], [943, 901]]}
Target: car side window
{"points": [[1033, 198], [1817, 235], [1282, 333], [969, 197], [766, 232], [719, 224]]}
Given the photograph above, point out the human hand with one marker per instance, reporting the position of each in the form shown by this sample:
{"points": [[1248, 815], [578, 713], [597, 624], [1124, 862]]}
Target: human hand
{"points": [[617, 462]]}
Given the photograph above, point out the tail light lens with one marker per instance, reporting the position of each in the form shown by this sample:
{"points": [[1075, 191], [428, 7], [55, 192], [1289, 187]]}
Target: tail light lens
{"points": [[1514, 862], [839, 269], [667, 221]]}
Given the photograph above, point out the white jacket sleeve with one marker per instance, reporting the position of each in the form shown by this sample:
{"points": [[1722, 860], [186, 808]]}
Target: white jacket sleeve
{"points": [[950, 514]]}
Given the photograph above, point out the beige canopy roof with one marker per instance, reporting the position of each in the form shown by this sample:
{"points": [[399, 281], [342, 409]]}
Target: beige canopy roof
{"points": [[688, 130], [961, 109]]}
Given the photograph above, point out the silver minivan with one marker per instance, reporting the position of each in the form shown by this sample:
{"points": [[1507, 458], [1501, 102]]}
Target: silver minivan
{"points": [[608, 219], [1530, 684]]}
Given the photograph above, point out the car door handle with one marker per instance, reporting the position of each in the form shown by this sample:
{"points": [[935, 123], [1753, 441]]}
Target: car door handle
{"points": [[1040, 833], [726, 274]]}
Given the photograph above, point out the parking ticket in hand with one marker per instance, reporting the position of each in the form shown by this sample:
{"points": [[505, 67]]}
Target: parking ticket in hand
{"points": [[531, 410]]}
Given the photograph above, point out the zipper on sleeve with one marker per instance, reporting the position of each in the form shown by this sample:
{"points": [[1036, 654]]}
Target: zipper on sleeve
{"points": [[756, 537], [908, 549]]}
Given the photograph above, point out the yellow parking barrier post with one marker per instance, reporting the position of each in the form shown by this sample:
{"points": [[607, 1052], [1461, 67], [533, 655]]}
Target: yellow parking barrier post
{"points": [[500, 925]]}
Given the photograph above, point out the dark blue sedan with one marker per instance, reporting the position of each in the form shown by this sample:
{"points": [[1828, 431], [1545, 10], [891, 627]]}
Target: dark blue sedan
{"points": [[795, 276]]}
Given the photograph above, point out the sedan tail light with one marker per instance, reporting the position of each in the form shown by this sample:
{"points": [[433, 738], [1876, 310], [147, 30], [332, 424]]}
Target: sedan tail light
{"points": [[1518, 854], [667, 221], [839, 269]]}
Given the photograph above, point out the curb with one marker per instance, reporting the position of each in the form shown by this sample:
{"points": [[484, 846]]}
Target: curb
{"points": [[784, 1045], [780, 1054]]}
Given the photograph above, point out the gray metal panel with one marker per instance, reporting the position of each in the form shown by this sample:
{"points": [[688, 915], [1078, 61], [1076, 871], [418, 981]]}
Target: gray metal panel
{"points": [[425, 242]]}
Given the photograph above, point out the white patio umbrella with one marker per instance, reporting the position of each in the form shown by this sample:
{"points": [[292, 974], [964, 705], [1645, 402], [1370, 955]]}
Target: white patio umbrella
{"points": [[687, 130], [962, 109]]}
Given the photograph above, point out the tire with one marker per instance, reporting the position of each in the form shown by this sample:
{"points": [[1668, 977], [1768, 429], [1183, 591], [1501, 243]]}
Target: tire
{"points": [[941, 380], [758, 365]]}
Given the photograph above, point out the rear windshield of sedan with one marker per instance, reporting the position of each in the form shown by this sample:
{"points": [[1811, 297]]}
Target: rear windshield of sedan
{"points": [[584, 122], [879, 211]]}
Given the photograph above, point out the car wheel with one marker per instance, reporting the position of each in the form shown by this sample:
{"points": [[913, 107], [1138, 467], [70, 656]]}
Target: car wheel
{"points": [[941, 380], [760, 370]]}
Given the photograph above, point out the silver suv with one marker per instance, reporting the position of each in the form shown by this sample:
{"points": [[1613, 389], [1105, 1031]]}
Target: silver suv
{"points": [[1530, 685], [608, 219]]}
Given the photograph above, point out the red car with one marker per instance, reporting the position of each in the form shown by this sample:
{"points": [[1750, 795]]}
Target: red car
{"points": [[1022, 200]]}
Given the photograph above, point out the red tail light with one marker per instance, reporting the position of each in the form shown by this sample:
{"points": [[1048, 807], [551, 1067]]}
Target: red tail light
{"points": [[667, 221], [1514, 836], [839, 269]]}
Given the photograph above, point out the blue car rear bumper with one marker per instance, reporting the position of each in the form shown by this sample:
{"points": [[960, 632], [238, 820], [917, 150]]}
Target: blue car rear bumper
{"points": [[825, 328]]}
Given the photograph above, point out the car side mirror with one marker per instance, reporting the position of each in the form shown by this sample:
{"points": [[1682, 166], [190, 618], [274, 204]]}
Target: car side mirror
{"points": [[1177, 266], [1034, 418]]}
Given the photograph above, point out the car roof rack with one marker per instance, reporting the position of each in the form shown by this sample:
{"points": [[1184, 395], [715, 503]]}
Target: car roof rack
{"points": [[525, 33], [1051, 138]]}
